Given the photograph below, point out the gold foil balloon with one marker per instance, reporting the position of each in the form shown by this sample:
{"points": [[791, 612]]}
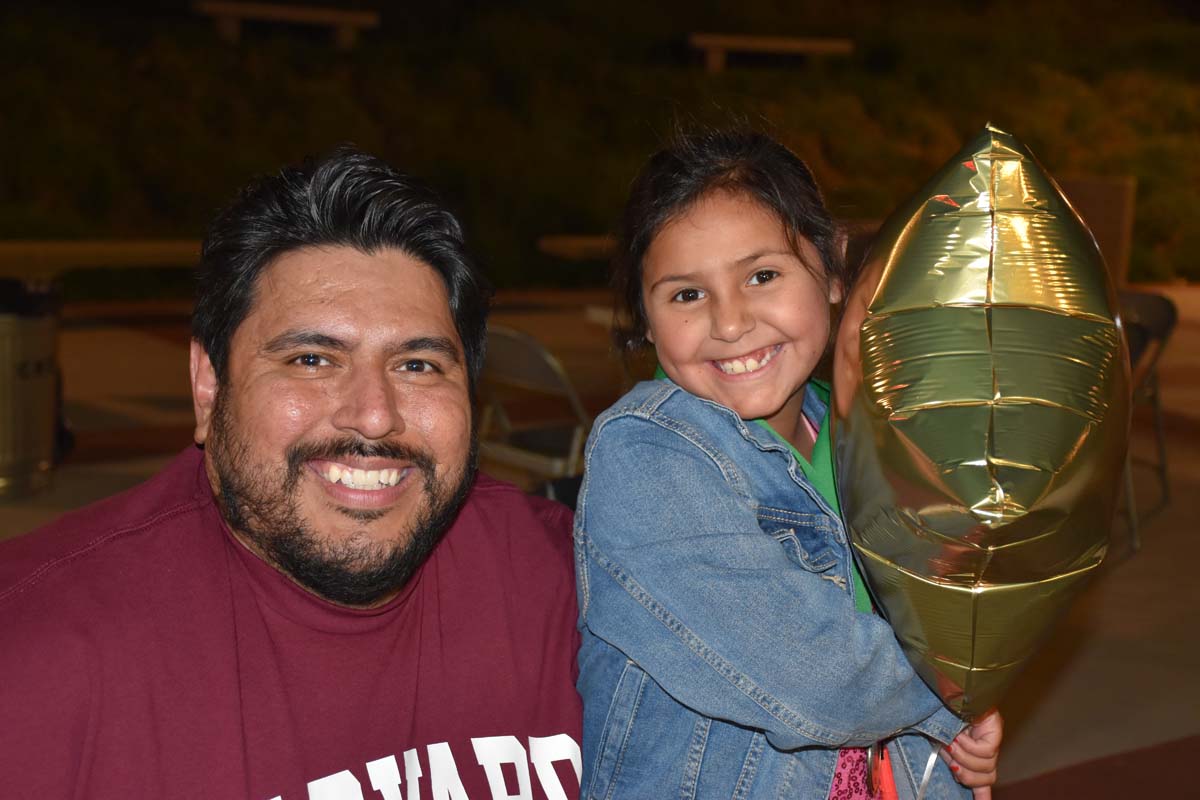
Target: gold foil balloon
{"points": [[981, 417]]}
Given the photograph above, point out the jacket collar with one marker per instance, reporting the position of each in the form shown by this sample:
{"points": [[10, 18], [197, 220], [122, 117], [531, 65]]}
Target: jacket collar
{"points": [[815, 406]]}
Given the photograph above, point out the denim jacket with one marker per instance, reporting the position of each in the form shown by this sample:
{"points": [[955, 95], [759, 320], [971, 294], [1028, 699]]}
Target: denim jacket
{"points": [[722, 655]]}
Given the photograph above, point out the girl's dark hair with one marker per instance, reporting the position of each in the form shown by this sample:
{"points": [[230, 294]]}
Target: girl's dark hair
{"points": [[738, 161], [348, 198]]}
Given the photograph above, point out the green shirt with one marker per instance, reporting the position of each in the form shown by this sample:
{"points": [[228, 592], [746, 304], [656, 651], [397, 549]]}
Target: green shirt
{"points": [[821, 475]]}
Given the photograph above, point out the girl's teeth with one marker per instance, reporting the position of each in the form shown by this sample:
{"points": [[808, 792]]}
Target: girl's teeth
{"points": [[742, 365]]}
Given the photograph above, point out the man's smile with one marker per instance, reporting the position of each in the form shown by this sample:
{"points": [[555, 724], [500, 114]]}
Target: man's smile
{"points": [[370, 478], [371, 483]]}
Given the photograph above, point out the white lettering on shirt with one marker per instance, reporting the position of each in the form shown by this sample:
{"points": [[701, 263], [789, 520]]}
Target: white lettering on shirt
{"points": [[491, 752], [339, 786], [385, 777], [544, 751], [412, 773], [445, 782]]}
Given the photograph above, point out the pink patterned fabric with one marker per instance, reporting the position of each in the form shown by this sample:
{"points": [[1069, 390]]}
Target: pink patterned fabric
{"points": [[850, 776]]}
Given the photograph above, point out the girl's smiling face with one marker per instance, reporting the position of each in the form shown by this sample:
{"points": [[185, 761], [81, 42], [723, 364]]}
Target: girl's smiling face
{"points": [[734, 314]]}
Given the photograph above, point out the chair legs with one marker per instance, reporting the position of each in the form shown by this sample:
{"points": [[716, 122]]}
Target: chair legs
{"points": [[1150, 393], [1160, 437], [1131, 505]]}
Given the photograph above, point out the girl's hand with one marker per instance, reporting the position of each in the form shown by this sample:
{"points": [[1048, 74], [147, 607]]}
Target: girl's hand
{"points": [[973, 754]]}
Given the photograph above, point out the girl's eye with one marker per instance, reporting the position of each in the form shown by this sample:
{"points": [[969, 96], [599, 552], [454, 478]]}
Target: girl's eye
{"points": [[763, 276], [310, 360], [687, 296]]}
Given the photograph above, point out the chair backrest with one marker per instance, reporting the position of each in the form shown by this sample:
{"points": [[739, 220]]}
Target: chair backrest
{"points": [[516, 360], [1107, 205], [1154, 312], [1149, 319]]}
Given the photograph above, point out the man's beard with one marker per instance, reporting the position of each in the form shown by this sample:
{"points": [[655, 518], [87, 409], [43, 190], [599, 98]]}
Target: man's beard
{"points": [[355, 572]]}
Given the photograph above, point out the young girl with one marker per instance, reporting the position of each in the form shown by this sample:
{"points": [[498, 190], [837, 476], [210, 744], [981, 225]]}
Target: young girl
{"points": [[729, 649]]}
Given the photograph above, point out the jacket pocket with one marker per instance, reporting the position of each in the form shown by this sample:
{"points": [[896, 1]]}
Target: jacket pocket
{"points": [[806, 538], [618, 728]]}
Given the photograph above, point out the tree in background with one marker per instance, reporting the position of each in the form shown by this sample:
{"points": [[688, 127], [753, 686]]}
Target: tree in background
{"points": [[533, 120]]}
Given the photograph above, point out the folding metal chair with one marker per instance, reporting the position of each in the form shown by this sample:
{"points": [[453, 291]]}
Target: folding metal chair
{"points": [[531, 417], [1148, 319]]}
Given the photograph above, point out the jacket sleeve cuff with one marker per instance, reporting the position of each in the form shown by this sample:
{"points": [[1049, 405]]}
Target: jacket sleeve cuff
{"points": [[943, 726]]}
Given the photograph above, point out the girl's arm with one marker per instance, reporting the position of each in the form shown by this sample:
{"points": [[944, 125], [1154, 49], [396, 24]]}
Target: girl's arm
{"points": [[676, 573]]}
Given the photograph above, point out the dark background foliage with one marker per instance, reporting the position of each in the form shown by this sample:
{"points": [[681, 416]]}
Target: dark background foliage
{"points": [[133, 120]]}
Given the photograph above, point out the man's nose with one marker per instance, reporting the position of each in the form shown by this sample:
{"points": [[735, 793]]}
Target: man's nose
{"points": [[732, 318], [369, 405]]}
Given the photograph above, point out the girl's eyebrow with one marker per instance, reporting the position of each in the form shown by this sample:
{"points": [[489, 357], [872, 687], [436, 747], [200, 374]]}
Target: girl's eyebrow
{"points": [[757, 254], [689, 277]]}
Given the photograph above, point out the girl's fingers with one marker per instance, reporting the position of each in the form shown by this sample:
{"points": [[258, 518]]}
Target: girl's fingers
{"points": [[966, 744], [972, 771], [973, 754], [981, 739], [971, 778], [973, 761]]}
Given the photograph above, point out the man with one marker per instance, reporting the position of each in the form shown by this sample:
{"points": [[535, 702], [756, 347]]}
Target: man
{"points": [[322, 600]]}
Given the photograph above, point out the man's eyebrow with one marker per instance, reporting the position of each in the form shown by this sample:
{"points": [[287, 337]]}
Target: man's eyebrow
{"points": [[300, 339], [442, 345], [296, 339]]}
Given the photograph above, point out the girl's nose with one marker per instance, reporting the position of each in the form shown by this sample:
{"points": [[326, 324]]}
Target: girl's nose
{"points": [[731, 319]]}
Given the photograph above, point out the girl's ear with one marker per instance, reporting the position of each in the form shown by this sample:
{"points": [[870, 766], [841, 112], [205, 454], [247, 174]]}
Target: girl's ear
{"points": [[644, 323], [836, 291]]}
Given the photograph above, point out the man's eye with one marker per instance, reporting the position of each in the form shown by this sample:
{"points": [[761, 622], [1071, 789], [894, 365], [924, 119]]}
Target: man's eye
{"points": [[687, 296], [763, 276], [418, 365], [310, 360]]}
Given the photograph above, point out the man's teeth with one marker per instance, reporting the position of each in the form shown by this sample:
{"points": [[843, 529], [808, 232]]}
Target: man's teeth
{"points": [[737, 366], [369, 479]]}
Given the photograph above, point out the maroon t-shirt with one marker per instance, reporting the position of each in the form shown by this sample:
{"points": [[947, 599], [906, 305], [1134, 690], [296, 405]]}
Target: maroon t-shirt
{"points": [[144, 652]]}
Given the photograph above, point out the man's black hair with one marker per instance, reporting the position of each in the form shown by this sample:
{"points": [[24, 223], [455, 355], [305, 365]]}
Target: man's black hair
{"points": [[348, 198]]}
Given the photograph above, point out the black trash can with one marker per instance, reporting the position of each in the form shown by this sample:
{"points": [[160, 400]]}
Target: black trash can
{"points": [[29, 385]]}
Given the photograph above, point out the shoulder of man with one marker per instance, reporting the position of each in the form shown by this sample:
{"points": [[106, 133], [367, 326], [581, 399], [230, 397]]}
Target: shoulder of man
{"points": [[529, 516], [517, 539], [67, 550]]}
